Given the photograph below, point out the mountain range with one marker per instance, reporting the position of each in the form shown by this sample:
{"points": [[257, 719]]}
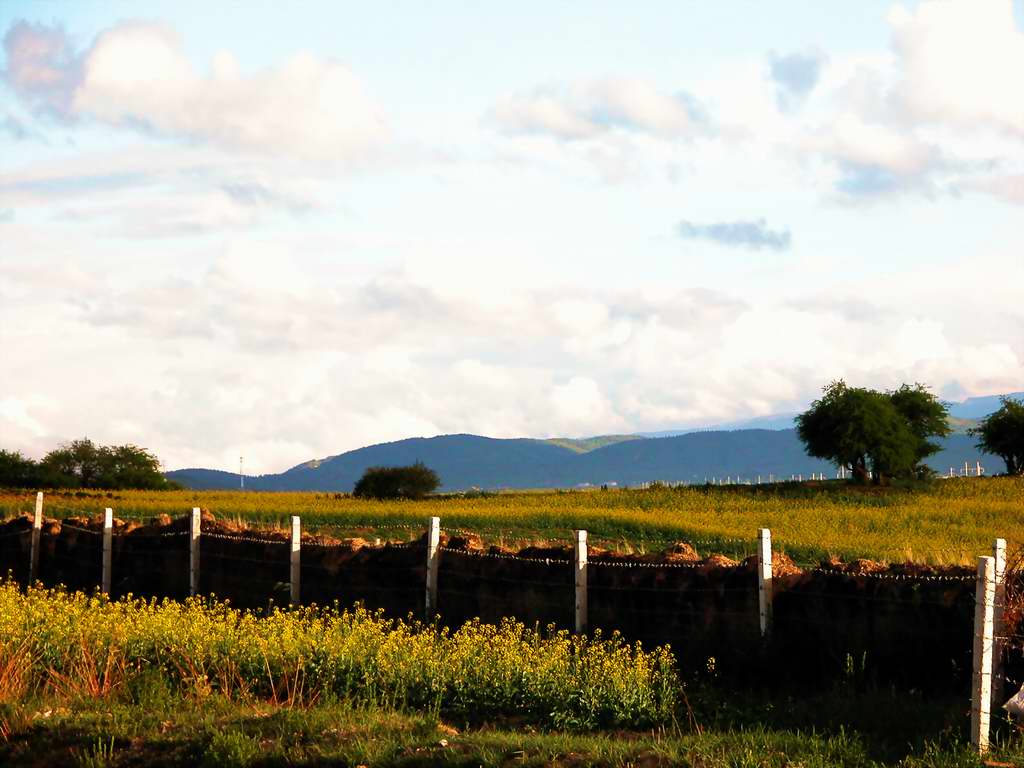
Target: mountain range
{"points": [[734, 451]]}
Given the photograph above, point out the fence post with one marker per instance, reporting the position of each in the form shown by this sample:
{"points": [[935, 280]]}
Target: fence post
{"points": [[195, 525], [433, 545], [764, 580], [108, 549], [981, 688], [999, 555], [580, 552], [37, 534], [295, 563]]}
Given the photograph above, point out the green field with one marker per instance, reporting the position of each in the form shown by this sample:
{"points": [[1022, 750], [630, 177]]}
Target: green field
{"points": [[945, 522], [89, 683]]}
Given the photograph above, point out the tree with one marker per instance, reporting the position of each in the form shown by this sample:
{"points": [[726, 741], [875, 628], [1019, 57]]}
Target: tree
{"points": [[1002, 433], [128, 466], [17, 471], [410, 482], [75, 464], [83, 464], [926, 416], [874, 434]]}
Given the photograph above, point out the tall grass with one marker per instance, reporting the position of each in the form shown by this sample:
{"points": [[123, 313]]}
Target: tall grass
{"points": [[71, 645], [950, 521]]}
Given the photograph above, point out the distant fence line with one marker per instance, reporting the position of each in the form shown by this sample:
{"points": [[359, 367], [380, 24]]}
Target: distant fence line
{"points": [[990, 590], [770, 478]]}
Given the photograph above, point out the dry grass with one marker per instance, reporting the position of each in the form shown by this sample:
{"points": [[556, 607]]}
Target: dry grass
{"points": [[949, 522]]}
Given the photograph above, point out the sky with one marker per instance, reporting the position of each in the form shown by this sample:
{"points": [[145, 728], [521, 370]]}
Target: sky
{"points": [[285, 231]]}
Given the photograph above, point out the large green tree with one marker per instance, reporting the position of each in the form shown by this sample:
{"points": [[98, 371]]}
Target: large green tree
{"points": [[83, 464], [17, 471], [926, 416], [77, 464], [876, 435], [1002, 433]]}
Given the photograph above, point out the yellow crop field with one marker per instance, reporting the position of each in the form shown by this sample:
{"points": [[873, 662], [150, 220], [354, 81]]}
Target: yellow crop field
{"points": [[949, 521], [199, 648]]}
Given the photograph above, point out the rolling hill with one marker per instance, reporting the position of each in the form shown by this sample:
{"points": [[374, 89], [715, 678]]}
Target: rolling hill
{"points": [[764, 446], [471, 461]]}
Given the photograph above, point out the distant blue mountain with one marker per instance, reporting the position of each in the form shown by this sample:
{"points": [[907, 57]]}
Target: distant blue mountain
{"points": [[979, 407], [471, 461], [971, 408], [776, 421]]}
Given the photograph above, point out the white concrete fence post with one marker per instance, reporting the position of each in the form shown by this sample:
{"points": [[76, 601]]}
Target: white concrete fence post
{"points": [[195, 524], [998, 648], [108, 550], [37, 535], [433, 547], [764, 580], [981, 687], [295, 563], [580, 581]]}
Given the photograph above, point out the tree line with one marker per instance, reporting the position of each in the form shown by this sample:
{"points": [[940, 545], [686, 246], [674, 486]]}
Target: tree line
{"points": [[881, 435], [83, 464]]}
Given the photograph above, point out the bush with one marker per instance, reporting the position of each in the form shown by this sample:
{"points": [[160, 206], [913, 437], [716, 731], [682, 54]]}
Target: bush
{"points": [[412, 482]]}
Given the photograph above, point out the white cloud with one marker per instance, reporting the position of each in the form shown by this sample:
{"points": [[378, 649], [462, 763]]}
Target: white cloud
{"points": [[857, 142], [505, 297], [962, 63], [600, 107], [943, 114], [136, 75], [284, 361]]}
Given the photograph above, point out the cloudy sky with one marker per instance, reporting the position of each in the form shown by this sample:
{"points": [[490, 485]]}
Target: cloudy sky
{"points": [[286, 231]]}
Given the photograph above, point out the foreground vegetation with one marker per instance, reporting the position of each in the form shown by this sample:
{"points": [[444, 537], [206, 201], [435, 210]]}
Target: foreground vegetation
{"points": [[165, 731], [944, 521], [51, 640], [87, 682]]}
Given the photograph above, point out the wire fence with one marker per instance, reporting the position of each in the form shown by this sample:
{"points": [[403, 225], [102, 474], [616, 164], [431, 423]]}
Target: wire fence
{"points": [[253, 563]]}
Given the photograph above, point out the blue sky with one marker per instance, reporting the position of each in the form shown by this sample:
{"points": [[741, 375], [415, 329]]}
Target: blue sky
{"points": [[289, 232]]}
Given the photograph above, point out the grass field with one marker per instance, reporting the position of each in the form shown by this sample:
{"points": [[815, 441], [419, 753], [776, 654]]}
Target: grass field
{"points": [[85, 682], [945, 522], [89, 683], [222, 733]]}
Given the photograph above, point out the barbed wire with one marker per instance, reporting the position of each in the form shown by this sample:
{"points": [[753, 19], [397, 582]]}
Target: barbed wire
{"points": [[637, 539], [244, 539], [377, 547], [674, 592], [502, 556], [613, 564], [892, 576], [69, 527]]}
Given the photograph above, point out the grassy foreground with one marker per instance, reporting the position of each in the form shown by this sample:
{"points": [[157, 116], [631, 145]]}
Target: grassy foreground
{"points": [[88, 682], [219, 732], [945, 522]]}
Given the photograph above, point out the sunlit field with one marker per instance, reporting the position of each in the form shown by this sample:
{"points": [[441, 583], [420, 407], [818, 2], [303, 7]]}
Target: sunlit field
{"points": [[88, 682], [948, 521]]}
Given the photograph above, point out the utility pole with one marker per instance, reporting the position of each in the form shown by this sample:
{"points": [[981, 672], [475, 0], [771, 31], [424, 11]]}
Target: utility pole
{"points": [[241, 476]]}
